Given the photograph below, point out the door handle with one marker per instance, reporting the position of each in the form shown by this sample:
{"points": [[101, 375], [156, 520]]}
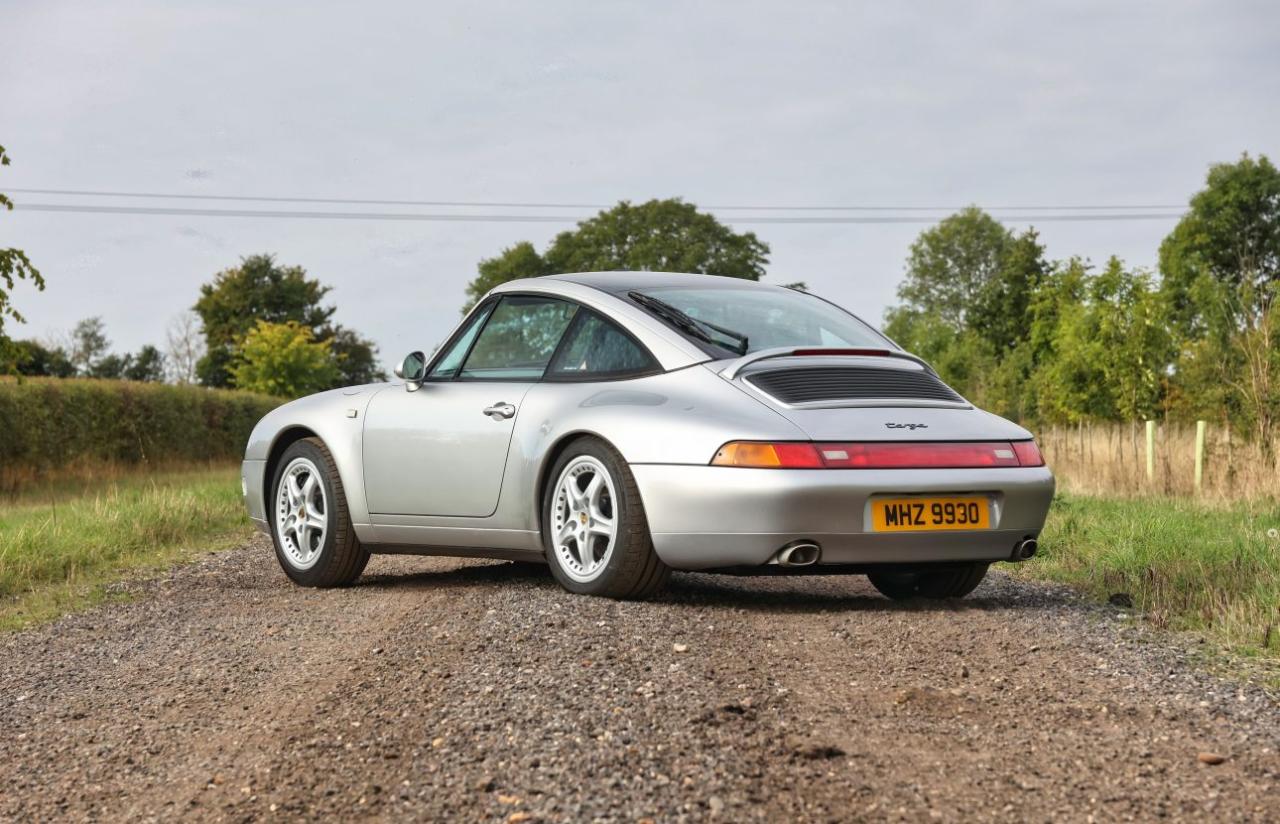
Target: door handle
{"points": [[500, 411]]}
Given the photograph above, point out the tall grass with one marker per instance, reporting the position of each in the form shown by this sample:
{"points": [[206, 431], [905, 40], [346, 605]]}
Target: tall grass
{"points": [[1111, 459], [1187, 565], [57, 549]]}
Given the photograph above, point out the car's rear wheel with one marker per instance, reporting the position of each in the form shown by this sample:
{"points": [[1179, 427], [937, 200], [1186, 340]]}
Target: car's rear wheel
{"points": [[311, 528], [594, 528], [946, 582]]}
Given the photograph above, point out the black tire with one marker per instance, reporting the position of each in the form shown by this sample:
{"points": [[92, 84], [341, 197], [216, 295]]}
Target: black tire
{"points": [[947, 582], [341, 557], [633, 569]]}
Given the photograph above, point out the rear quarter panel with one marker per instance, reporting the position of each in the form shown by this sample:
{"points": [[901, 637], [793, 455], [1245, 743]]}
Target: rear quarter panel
{"points": [[680, 417]]}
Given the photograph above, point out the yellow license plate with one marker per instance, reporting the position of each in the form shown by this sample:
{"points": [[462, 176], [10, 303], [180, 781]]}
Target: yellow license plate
{"points": [[955, 512]]}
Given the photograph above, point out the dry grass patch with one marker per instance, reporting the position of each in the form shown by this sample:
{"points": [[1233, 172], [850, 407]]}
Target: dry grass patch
{"points": [[1111, 459]]}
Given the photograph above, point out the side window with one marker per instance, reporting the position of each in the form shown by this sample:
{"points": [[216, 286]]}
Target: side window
{"points": [[448, 365], [519, 339], [596, 349]]}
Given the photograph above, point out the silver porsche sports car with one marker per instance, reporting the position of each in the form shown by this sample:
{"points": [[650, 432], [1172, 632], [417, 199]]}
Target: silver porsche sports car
{"points": [[620, 425]]}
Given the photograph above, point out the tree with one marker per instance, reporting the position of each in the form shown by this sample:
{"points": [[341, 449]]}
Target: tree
{"points": [[357, 358], [284, 359], [1136, 348], [255, 291], [146, 366], [14, 266], [1231, 234], [1106, 345], [951, 265], [184, 347], [38, 360], [110, 367], [965, 307], [88, 345], [658, 235], [998, 313], [260, 290], [969, 273], [1221, 268]]}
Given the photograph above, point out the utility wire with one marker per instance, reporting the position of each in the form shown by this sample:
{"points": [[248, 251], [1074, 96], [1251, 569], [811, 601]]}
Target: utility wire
{"points": [[511, 205], [535, 218]]}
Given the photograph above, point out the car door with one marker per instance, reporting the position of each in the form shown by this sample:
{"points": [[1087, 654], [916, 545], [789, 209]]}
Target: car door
{"points": [[441, 450]]}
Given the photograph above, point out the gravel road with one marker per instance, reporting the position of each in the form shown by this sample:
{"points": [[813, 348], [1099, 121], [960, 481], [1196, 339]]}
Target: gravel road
{"points": [[443, 689]]}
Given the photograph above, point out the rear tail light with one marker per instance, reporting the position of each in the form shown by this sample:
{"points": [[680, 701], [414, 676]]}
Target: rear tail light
{"points": [[1028, 453], [878, 455]]}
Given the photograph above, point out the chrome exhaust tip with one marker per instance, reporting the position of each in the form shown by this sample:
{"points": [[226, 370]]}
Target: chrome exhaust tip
{"points": [[1025, 550], [799, 554]]}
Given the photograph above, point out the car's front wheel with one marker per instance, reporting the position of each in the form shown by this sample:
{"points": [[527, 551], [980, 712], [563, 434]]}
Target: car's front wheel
{"points": [[311, 528], [594, 527], [946, 582]]}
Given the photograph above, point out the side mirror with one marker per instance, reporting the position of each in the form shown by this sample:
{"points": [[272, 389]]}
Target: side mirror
{"points": [[413, 369]]}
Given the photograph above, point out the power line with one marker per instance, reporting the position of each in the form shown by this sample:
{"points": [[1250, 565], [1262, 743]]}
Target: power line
{"points": [[276, 213], [528, 218], [528, 205], [328, 200]]}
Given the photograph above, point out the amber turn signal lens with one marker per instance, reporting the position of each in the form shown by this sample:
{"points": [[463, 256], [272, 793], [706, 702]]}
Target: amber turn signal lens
{"points": [[768, 455]]}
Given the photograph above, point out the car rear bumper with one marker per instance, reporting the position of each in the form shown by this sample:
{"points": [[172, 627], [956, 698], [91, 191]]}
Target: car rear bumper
{"points": [[704, 517]]}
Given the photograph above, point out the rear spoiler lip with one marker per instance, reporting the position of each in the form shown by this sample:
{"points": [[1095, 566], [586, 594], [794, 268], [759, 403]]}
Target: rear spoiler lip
{"points": [[735, 367]]}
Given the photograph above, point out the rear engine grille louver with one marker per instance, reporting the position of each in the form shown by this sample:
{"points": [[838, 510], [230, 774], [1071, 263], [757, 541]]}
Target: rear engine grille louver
{"points": [[817, 384]]}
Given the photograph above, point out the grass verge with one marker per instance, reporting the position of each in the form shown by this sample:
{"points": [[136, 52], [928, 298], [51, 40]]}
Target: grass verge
{"points": [[60, 547], [1212, 570]]}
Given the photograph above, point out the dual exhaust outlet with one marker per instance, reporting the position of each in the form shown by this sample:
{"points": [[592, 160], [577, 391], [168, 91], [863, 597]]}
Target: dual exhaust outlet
{"points": [[807, 553]]}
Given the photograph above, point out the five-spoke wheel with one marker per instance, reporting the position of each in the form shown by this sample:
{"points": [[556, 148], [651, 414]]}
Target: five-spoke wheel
{"points": [[314, 540], [301, 522], [594, 527], [583, 518]]}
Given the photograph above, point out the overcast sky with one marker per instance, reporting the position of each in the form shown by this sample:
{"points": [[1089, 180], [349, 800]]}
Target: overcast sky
{"points": [[783, 103]]}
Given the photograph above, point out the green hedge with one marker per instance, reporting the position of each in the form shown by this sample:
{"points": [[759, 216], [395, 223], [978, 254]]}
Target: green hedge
{"points": [[48, 424]]}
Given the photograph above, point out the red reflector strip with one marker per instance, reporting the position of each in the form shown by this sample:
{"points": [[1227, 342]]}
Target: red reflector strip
{"points": [[917, 455]]}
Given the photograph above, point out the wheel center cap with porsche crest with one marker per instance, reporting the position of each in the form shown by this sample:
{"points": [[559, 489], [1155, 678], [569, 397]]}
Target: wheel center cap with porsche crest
{"points": [[582, 516]]}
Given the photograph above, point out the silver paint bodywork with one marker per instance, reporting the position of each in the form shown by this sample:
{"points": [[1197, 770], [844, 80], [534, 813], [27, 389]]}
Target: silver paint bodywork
{"points": [[428, 471]]}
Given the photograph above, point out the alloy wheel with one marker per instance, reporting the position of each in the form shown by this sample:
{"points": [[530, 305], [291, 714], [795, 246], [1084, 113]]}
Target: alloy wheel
{"points": [[584, 519], [302, 520]]}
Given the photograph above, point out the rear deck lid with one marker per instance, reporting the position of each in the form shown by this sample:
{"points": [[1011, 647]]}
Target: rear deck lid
{"points": [[891, 397]]}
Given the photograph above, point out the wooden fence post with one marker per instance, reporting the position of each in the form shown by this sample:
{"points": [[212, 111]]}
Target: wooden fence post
{"points": [[1200, 426], [1151, 451]]}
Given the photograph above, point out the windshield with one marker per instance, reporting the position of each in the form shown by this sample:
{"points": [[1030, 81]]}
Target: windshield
{"points": [[766, 318]]}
